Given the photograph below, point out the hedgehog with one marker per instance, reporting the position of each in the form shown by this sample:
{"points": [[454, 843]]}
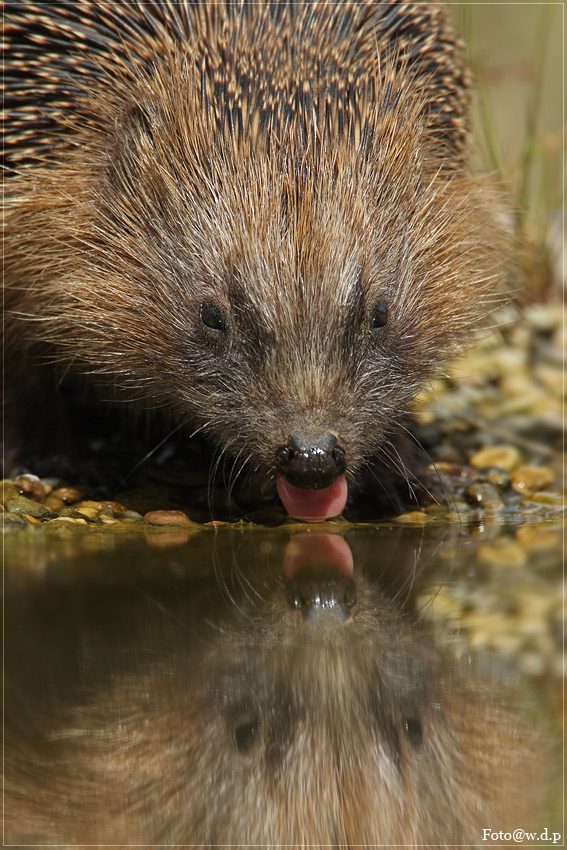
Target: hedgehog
{"points": [[258, 218]]}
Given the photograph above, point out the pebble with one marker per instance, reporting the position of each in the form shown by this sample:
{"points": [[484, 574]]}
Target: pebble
{"points": [[8, 490], [546, 498], [107, 520], [30, 486], [543, 317], [71, 512], [456, 469], [14, 520], [425, 417], [31, 519], [483, 495], [54, 503], [167, 518], [414, 518], [130, 516], [89, 509], [496, 476], [529, 479], [21, 504], [71, 494], [67, 520], [441, 603], [503, 457], [553, 380]]}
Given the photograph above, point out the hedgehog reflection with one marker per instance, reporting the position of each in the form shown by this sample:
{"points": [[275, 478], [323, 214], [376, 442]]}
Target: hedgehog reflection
{"points": [[259, 725]]}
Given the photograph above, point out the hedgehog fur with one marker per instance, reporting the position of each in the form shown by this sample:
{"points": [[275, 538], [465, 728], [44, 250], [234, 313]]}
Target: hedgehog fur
{"points": [[256, 216]]}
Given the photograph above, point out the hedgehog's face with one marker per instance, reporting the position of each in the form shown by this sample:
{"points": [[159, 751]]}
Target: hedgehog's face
{"points": [[312, 330], [289, 303], [303, 377]]}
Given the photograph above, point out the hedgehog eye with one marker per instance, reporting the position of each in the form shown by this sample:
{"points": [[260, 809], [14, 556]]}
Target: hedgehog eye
{"points": [[212, 317], [379, 316], [245, 735], [412, 728]]}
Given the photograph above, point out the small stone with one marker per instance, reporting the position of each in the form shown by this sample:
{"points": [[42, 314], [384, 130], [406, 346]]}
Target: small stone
{"points": [[456, 470], [107, 520], [71, 494], [552, 379], [530, 479], [440, 604], [8, 490], [130, 516], [497, 477], [20, 504], [424, 417], [30, 486], [504, 457], [545, 498], [413, 518], [54, 503], [31, 519], [543, 317], [73, 513], [483, 495], [67, 520], [13, 519], [91, 510], [167, 518]]}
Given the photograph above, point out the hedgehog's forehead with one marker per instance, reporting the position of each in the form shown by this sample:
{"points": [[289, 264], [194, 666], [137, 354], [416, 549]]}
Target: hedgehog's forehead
{"points": [[290, 228], [295, 287], [305, 264]]}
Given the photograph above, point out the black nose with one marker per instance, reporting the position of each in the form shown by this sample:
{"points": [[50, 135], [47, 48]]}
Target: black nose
{"points": [[318, 593], [311, 464]]}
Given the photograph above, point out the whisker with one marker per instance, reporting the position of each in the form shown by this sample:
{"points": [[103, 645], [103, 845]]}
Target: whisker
{"points": [[151, 452], [448, 495]]}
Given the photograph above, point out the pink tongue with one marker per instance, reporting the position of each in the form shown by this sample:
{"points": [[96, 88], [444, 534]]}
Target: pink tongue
{"points": [[313, 505]]}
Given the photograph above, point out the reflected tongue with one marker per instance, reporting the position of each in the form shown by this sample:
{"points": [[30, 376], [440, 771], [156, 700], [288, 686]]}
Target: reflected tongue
{"points": [[313, 505]]}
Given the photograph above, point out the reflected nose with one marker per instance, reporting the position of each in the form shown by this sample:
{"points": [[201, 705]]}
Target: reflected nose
{"points": [[321, 593], [311, 464]]}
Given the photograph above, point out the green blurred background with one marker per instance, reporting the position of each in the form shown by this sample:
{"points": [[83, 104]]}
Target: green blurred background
{"points": [[516, 52]]}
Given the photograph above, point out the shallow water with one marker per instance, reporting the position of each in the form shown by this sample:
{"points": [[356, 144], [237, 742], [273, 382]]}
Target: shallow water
{"points": [[238, 684]]}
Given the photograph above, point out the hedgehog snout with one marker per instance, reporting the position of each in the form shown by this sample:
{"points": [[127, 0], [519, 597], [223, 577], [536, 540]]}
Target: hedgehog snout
{"points": [[311, 464]]}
